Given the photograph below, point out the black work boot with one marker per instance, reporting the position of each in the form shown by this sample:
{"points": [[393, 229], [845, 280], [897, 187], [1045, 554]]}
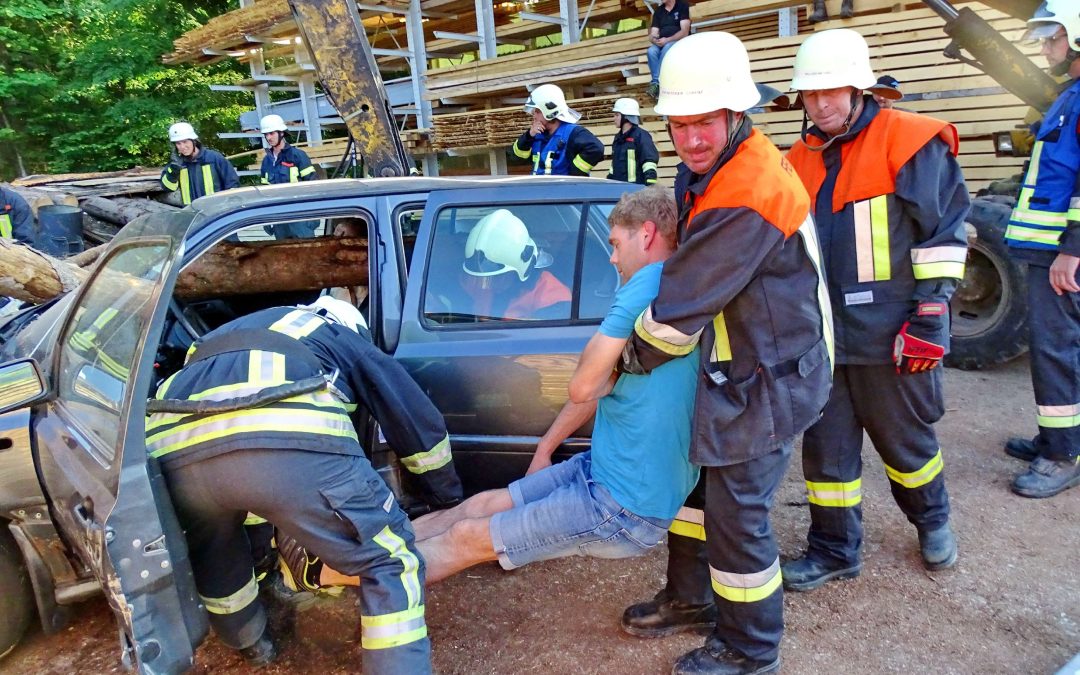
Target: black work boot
{"points": [[820, 12], [1046, 477], [716, 658], [663, 616], [806, 573], [1021, 448], [263, 652], [938, 548], [847, 9]]}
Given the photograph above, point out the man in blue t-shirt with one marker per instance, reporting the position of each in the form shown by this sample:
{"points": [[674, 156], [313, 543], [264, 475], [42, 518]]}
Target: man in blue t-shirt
{"points": [[618, 499]]}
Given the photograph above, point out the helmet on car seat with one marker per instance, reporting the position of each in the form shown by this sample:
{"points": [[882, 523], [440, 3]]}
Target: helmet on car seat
{"points": [[500, 243], [337, 311]]}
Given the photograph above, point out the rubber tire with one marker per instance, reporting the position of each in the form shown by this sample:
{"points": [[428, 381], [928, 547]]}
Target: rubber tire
{"points": [[15, 589], [1003, 333]]}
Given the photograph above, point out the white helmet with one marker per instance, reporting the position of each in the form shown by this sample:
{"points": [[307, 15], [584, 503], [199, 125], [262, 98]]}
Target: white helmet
{"points": [[500, 243], [831, 59], [550, 100], [628, 108], [182, 131], [706, 72], [337, 311], [272, 123], [1053, 13]]}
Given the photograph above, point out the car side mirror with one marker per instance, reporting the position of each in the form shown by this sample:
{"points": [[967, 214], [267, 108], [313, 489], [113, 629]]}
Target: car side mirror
{"points": [[21, 384]]}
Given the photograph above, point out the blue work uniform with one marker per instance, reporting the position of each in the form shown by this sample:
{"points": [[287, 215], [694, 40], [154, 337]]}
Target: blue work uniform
{"points": [[1046, 222], [570, 151], [634, 156], [291, 165], [206, 173], [16, 219]]}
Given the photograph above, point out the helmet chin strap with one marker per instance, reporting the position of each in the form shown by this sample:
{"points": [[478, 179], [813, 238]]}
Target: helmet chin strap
{"points": [[845, 128], [1063, 67]]}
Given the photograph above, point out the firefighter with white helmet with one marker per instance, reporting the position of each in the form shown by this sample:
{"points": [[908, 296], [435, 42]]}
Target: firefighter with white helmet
{"points": [[554, 142], [1044, 232], [506, 271], [258, 421], [194, 170], [743, 285], [889, 203], [633, 154], [284, 163]]}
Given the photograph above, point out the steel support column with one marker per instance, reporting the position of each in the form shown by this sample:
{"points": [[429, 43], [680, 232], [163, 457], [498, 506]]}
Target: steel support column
{"points": [[485, 28], [414, 35], [568, 10]]}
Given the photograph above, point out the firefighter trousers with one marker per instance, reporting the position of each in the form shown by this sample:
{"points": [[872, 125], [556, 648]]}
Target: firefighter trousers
{"points": [[339, 509], [744, 562], [688, 563], [1054, 323], [898, 412]]}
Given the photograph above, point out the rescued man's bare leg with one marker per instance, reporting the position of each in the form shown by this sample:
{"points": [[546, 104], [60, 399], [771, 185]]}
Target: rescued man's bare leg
{"points": [[466, 543], [482, 505]]}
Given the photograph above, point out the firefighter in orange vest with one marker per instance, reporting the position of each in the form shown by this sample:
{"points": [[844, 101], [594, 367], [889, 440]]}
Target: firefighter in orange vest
{"points": [[889, 203], [745, 285]]}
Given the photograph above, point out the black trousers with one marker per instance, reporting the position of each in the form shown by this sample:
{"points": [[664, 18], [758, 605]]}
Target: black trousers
{"points": [[1054, 323], [337, 507], [897, 411]]}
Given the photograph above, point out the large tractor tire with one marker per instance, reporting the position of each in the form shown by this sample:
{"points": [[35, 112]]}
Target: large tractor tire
{"points": [[989, 309], [17, 605]]}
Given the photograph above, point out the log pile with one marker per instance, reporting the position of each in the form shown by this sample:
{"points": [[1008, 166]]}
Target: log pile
{"points": [[226, 269]]}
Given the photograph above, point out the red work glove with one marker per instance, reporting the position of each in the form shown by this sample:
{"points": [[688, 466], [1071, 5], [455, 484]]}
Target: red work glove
{"points": [[913, 354]]}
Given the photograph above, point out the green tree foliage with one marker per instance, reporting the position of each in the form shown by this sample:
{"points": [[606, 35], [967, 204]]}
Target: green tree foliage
{"points": [[82, 86]]}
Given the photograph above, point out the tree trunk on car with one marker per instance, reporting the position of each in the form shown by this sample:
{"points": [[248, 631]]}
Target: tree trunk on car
{"points": [[228, 268]]}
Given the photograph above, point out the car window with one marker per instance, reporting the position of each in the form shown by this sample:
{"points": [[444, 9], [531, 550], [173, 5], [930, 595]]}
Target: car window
{"points": [[408, 222], [101, 343], [599, 278], [516, 263]]}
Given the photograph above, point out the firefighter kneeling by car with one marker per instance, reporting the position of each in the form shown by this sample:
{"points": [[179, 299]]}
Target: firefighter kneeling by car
{"points": [[258, 421]]}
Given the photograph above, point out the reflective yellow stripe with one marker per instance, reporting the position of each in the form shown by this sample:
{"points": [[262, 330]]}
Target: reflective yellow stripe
{"points": [[631, 165], [879, 229], [689, 523], [835, 494], [307, 172], [294, 174], [938, 261], [185, 186], [663, 337], [435, 458], [208, 179], [920, 476], [938, 270], [808, 232], [298, 323], [581, 164], [392, 630], [410, 573], [747, 587], [648, 166], [523, 154], [253, 519], [1020, 233], [168, 182], [259, 420], [721, 350], [1058, 416], [265, 179], [232, 604]]}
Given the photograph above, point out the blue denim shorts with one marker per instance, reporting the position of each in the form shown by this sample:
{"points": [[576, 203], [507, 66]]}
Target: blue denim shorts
{"points": [[561, 511]]}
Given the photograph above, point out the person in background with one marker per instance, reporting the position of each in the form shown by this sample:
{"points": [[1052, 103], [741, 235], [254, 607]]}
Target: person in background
{"points": [[284, 163], [554, 142], [633, 153], [670, 23], [887, 91], [194, 170]]}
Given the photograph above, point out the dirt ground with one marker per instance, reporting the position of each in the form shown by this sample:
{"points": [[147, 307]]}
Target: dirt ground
{"points": [[1011, 606]]}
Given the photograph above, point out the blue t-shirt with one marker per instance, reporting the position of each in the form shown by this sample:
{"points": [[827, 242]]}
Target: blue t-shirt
{"points": [[641, 436]]}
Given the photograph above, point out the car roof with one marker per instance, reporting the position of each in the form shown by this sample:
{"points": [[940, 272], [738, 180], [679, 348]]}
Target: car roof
{"points": [[218, 204]]}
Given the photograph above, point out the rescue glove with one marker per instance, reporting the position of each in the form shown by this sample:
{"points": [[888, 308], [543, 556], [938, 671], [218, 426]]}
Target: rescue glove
{"points": [[919, 346], [174, 164]]}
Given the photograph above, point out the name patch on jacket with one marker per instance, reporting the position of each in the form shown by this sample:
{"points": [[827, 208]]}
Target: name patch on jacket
{"points": [[859, 298]]}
